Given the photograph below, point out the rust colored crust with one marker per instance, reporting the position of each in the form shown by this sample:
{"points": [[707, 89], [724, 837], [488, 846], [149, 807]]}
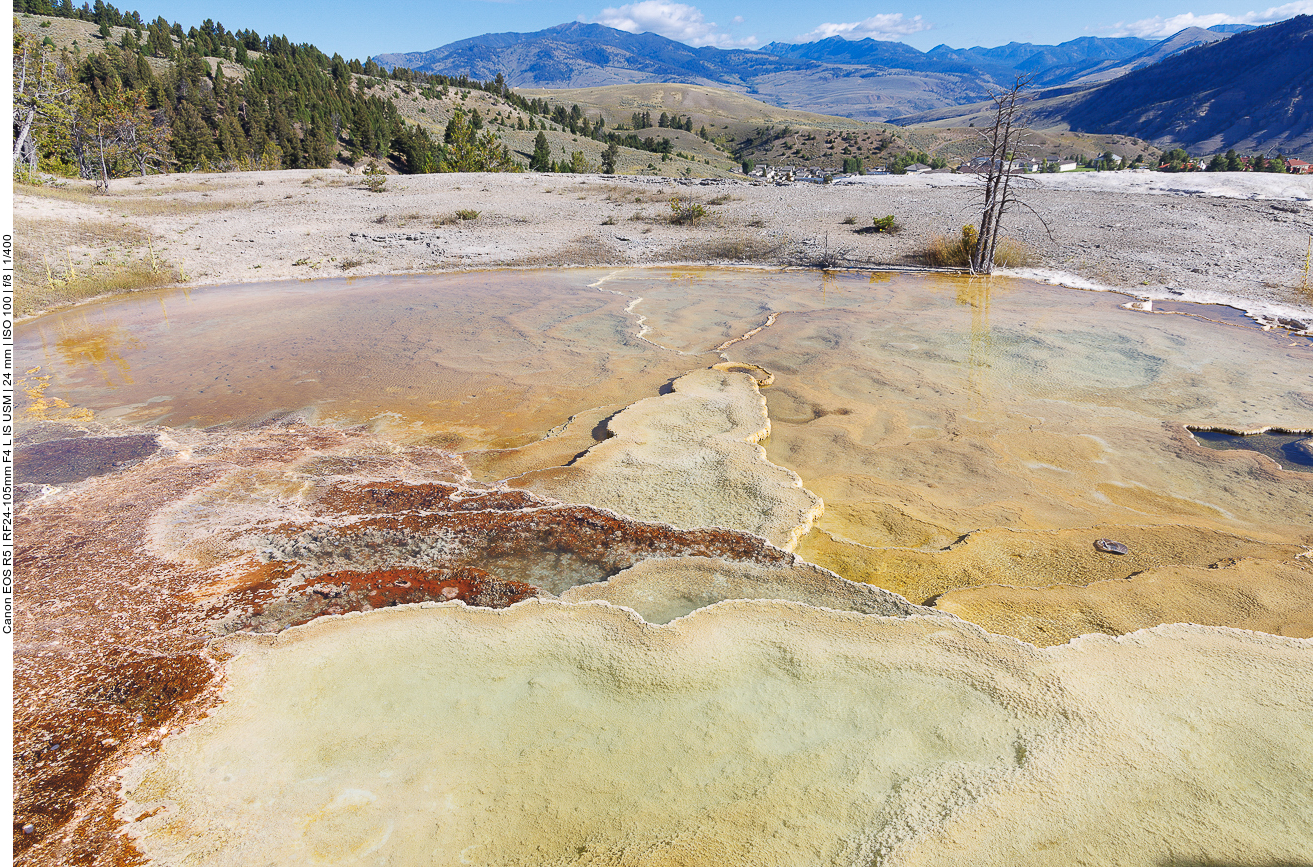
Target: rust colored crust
{"points": [[112, 645], [270, 610], [108, 649], [487, 525]]}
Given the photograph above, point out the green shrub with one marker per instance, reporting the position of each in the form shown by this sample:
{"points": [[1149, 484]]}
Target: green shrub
{"points": [[881, 226], [375, 178], [685, 213], [467, 214]]}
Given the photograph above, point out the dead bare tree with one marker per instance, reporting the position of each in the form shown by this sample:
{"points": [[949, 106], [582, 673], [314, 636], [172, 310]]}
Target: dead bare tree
{"points": [[115, 134], [43, 93], [999, 194]]}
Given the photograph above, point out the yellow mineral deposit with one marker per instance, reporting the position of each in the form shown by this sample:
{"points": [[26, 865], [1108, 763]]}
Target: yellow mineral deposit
{"points": [[746, 733], [1247, 594], [960, 433], [697, 696], [690, 458]]}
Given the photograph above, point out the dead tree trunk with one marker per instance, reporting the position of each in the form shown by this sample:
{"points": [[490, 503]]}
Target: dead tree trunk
{"points": [[1004, 135]]}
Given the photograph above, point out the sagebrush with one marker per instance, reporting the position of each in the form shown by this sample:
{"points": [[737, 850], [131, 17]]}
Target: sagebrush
{"points": [[948, 252]]}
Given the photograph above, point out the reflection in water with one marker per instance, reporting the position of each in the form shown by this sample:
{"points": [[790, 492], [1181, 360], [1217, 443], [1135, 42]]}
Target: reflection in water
{"points": [[98, 347], [976, 296], [405, 734], [478, 361], [941, 465]]}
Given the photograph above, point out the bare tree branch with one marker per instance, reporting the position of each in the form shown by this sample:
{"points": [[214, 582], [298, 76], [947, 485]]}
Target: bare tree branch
{"points": [[997, 195]]}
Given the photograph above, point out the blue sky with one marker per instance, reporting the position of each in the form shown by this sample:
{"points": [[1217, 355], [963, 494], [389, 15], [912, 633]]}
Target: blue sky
{"points": [[360, 30]]}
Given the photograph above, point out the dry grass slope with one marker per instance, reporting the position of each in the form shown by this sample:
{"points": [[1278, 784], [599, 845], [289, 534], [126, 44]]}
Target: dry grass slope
{"points": [[65, 261]]}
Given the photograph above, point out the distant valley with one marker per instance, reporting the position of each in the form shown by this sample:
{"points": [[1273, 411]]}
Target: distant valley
{"points": [[863, 79], [1199, 89]]}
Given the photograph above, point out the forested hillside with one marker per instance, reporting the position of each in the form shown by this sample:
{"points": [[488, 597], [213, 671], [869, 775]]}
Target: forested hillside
{"points": [[132, 96], [102, 93]]}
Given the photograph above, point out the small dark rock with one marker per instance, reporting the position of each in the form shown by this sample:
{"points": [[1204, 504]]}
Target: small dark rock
{"points": [[1108, 546]]}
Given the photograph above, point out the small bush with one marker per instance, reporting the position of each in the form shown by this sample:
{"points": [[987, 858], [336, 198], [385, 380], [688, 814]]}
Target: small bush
{"points": [[348, 264], [850, 221], [467, 214], [375, 178], [685, 213], [53, 289], [1013, 254], [945, 252], [881, 226]]}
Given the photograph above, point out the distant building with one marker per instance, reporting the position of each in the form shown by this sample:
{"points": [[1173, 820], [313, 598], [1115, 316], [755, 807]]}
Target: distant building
{"points": [[982, 165], [917, 168], [1299, 167], [1067, 166]]}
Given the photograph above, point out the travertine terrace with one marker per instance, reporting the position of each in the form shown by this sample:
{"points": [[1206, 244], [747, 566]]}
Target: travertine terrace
{"points": [[686, 565]]}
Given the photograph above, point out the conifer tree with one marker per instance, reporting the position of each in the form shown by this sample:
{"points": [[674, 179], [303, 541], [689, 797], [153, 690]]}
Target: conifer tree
{"points": [[609, 156], [542, 155]]}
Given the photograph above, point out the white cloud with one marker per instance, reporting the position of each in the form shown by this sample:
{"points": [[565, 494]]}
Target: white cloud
{"points": [[675, 21], [889, 27], [1160, 28]]}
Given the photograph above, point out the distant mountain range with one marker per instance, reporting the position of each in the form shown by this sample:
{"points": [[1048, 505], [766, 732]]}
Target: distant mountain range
{"points": [[1226, 86], [865, 79], [590, 55]]}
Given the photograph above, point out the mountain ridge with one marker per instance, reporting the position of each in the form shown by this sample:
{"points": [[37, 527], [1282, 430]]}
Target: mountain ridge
{"points": [[1252, 92], [1251, 97], [863, 79]]}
